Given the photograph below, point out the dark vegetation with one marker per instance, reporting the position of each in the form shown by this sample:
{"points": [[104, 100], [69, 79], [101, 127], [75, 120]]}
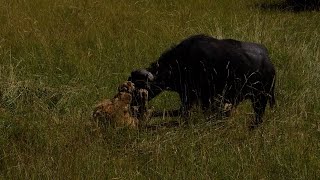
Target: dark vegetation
{"points": [[304, 4], [292, 5]]}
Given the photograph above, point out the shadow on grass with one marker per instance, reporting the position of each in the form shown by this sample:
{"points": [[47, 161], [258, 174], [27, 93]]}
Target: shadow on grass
{"points": [[170, 124], [288, 6], [213, 120]]}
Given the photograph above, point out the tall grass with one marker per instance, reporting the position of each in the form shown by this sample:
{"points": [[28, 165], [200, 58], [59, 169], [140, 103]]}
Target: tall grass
{"points": [[58, 58]]}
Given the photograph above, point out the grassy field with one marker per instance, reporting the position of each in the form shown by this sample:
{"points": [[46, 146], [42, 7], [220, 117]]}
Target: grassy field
{"points": [[58, 58]]}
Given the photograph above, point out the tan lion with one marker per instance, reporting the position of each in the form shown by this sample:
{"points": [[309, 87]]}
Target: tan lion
{"points": [[117, 112]]}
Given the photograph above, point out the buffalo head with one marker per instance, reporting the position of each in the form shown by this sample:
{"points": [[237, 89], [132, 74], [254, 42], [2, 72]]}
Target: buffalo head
{"points": [[154, 82]]}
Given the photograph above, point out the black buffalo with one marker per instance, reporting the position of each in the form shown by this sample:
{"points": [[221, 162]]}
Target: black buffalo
{"points": [[211, 71]]}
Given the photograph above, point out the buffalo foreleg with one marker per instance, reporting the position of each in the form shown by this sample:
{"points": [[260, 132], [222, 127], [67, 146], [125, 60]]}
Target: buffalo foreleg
{"points": [[259, 105]]}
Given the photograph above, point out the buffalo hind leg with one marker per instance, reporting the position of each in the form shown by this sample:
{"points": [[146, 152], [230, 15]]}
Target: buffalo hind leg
{"points": [[259, 104]]}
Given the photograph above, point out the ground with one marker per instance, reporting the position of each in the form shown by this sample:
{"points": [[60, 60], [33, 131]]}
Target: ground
{"points": [[59, 58]]}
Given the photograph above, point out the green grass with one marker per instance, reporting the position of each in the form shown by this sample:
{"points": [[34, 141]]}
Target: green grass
{"points": [[58, 58]]}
